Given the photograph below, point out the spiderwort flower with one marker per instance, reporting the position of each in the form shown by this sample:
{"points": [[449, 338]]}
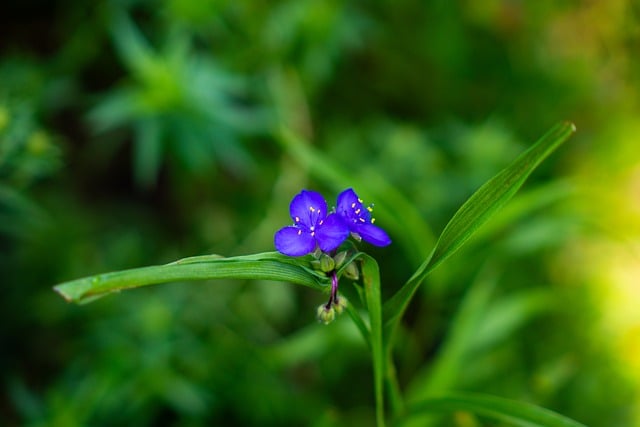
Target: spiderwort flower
{"points": [[359, 219], [313, 227]]}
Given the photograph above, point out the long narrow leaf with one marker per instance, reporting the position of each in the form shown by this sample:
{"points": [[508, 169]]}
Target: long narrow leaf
{"points": [[371, 281], [511, 411], [476, 211], [449, 362], [265, 266]]}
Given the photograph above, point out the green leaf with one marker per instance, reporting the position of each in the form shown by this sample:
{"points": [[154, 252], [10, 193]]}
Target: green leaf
{"points": [[371, 282], [524, 204], [454, 353], [265, 266], [485, 202], [133, 48], [511, 411]]}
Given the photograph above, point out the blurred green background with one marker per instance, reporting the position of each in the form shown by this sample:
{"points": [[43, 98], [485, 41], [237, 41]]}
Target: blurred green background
{"points": [[136, 132]]}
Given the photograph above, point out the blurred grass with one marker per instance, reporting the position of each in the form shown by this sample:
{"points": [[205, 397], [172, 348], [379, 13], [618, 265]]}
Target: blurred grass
{"points": [[135, 133]]}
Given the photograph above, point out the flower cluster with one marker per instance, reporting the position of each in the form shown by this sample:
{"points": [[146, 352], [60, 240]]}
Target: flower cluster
{"points": [[314, 226], [319, 231]]}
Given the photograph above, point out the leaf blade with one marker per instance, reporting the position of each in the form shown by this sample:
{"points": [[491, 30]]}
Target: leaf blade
{"points": [[488, 199], [516, 412], [371, 282], [266, 266]]}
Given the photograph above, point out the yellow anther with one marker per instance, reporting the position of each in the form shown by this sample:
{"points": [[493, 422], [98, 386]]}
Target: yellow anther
{"points": [[360, 200], [311, 209], [370, 209], [373, 220]]}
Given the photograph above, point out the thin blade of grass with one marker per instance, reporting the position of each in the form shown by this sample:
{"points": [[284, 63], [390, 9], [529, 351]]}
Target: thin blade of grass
{"points": [[507, 410], [443, 373], [485, 202]]}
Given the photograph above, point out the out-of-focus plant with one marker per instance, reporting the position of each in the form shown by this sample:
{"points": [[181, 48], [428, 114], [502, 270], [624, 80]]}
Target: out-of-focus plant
{"points": [[606, 260], [320, 259], [180, 104], [312, 36], [27, 150], [414, 104]]}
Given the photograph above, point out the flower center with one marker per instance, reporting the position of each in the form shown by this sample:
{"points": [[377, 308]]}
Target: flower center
{"points": [[315, 217], [359, 214]]}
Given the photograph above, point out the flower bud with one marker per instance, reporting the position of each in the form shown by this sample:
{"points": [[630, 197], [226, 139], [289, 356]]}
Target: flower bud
{"points": [[324, 263], [327, 263], [340, 304], [351, 271], [339, 258], [326, 314]]}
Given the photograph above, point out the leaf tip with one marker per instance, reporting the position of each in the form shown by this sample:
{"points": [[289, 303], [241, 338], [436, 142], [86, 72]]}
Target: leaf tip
{"points": [[58, 289]]}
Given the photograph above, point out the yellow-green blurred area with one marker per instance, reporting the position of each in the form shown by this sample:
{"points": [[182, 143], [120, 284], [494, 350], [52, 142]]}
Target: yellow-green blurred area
{"points": [[136, 132]]}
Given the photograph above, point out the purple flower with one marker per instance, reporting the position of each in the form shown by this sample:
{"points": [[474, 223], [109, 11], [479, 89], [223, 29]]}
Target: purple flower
{"points": [[313, 227], [358, 218]]}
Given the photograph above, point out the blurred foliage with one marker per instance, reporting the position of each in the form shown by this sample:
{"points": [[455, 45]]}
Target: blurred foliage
{"points": [[137, 132], [28, 152], [180, 103]]}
